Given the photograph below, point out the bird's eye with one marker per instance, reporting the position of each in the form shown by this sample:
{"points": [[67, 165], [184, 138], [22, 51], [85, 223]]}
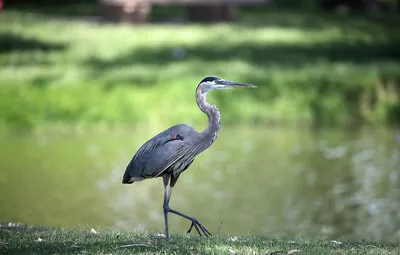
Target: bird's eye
{"points": [[179, 137]]}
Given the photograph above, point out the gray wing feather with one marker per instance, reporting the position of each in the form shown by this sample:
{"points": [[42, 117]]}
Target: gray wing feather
{"points": [[154, 157], [157, 160], [151, 145]]}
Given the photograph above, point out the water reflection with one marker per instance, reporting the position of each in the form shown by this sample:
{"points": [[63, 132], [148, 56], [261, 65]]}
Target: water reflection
{"points": [[254, 180]]}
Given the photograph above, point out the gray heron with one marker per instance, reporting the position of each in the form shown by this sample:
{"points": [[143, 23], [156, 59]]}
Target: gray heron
{"points": [[172, 151]]}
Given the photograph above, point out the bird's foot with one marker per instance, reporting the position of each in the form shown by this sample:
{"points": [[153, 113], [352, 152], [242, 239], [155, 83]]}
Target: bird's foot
{"points": [[199, 228]]}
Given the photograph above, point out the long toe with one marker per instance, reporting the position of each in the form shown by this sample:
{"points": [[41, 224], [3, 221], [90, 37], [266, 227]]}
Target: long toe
{"points": [[199, 228], [205, 231]]}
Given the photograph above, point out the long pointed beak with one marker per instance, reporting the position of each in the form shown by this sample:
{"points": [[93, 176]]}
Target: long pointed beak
{"points": [[224, 84]]}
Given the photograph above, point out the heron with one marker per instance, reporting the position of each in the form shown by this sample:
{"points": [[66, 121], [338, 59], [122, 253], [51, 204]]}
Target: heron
{"points": [[172, 151]]}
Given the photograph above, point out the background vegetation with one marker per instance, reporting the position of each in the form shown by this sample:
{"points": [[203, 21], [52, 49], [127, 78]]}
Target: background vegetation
{"points": [[311, 67]]}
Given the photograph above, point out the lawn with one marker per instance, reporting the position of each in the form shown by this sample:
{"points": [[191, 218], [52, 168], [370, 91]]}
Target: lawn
{"points": [[309, 67], [21, 239]]}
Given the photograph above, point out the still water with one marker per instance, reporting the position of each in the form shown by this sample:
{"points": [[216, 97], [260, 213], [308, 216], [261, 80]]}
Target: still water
{"points": [[255, 180]]}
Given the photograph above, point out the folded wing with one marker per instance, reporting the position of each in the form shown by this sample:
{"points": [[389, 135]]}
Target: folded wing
{"points": [[154, 157]]}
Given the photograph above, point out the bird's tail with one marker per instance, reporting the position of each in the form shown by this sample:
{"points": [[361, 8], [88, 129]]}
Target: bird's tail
{"points": [[127, 179]]}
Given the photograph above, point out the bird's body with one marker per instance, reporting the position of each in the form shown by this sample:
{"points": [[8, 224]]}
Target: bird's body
{"points": [[173, 150], [160, 155]]}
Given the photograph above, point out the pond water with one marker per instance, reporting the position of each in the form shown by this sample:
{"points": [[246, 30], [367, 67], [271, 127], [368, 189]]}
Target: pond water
{"points": [[255, 180]]}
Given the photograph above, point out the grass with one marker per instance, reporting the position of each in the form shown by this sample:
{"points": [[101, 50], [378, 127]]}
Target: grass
{"points": [[20, 239], [310, 68]]}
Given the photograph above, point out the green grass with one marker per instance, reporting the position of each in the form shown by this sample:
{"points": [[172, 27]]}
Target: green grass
{"points": [[310, 68], [20, 239]]}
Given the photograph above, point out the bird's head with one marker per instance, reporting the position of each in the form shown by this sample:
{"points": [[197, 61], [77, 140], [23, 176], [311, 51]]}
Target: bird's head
{"points": [[213, 83]]}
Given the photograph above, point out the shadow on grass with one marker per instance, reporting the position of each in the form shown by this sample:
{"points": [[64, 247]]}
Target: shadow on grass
{"points": [[13, 42], [275, 55]]}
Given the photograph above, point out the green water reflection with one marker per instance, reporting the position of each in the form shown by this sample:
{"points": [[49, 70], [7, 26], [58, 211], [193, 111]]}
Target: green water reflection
{"points": [[255, 180]]}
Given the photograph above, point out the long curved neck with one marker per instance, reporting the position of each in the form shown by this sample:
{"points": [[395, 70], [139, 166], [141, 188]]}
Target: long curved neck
{"points": [[209, 135]]}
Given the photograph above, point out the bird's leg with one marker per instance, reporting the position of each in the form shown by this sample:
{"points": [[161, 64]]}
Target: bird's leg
{"points": [[165, 205], [195, 223]]}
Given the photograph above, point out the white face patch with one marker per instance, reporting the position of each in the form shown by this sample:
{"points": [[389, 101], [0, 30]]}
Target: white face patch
{"points": [[207, 86]]}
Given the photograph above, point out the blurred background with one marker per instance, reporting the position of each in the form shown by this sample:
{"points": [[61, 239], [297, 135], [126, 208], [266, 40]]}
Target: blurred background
{"points": [[313, 151]]}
